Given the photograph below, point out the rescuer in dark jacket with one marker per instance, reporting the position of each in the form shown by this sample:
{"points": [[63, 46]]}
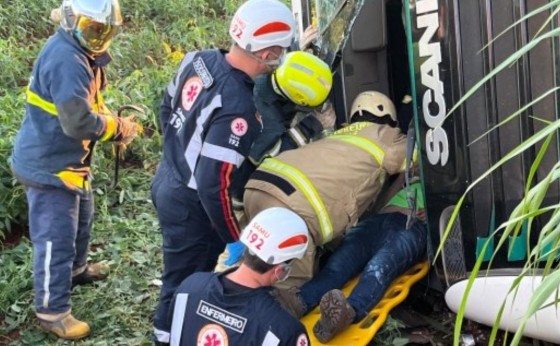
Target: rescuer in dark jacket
{"points": [[64, 118]]}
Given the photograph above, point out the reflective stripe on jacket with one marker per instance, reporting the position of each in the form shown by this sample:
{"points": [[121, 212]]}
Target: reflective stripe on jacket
{"points": [[331, 182], [51, 149]]}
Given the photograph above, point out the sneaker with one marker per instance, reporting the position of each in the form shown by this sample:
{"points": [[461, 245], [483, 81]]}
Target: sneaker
{"points": [[336, 315], [291, 301], [93, 272], [65, 326]]}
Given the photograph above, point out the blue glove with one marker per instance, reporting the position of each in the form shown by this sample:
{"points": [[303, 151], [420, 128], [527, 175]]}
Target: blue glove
{"points": [[235, 251]]}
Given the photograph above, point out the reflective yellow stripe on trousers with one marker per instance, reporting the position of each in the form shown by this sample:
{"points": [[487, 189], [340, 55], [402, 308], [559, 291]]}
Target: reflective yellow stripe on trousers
{"points": [[36, 100], [299, 179], [365, 144]]}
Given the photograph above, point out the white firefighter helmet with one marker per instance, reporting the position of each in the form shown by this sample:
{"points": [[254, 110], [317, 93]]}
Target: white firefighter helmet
{"points": [[374, 103]]}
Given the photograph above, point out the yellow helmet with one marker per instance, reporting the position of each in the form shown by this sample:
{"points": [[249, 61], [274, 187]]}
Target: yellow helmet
{"points": [[303, 78], [374, 103]]}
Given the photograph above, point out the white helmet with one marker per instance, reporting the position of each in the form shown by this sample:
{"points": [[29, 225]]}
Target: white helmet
{"points": [[260, 24], [276, 235], [93, 23], [375, 103]]}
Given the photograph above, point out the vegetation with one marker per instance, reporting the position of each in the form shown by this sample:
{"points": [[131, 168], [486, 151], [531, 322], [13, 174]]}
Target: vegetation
{"points": [[126, 235], [545, 253]]}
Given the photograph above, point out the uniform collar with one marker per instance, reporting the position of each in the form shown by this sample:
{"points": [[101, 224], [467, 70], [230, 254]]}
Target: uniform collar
{"points": [[246, 78], [98, 60]]}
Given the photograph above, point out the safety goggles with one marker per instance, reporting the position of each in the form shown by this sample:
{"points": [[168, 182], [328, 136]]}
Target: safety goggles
{"points": [[274, 63], [277, 61], [286, 270], [94, 36]]}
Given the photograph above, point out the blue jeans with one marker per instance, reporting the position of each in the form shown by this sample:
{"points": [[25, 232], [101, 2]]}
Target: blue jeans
{"points": [[60, 225], [190, 244], [381, 249]]}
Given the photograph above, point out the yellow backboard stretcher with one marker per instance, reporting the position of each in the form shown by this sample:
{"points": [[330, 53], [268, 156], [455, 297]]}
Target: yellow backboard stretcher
{"points": [[362, 333]]}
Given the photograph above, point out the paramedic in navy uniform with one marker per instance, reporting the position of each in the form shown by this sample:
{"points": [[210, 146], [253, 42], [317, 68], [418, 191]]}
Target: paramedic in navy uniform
{"points": [[235, 307], [209, 123]]}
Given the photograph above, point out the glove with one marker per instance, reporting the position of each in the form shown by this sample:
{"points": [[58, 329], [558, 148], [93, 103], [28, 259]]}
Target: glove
{"points": [[127, 129], [235, 251], [309, 128], [326, 116], [307, 38]]}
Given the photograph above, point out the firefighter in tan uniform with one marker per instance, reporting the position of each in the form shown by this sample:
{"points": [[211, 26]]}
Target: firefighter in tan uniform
{"points": [[331, 182]]}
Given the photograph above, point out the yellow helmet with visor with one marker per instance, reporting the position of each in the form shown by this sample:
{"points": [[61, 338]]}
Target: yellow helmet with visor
{"points": [[303, 78]]}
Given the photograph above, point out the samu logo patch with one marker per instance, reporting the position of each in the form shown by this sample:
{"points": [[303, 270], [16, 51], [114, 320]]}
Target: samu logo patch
{"points": [[192, 88]]}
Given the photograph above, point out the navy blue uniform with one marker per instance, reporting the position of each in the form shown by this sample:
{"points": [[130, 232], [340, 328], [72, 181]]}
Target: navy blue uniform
{"points": [[209, 309], [64, 118], [209, 123]]}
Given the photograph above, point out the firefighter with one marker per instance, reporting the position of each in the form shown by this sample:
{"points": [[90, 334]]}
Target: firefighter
{"points": [[235, 307], [301, 83], [331, 182], [65, 117], [209, 123]]}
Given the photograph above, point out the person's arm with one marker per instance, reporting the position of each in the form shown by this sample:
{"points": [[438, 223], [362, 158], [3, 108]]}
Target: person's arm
{"points": [[394, 160], [165, 110], [71, 85], [224, 150]]}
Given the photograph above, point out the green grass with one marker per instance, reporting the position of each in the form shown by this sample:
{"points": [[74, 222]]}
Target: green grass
{"points": [[126, 234]]}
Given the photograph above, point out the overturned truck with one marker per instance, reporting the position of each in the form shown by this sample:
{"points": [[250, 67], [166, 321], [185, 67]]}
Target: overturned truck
{"points": [[431, 52]]}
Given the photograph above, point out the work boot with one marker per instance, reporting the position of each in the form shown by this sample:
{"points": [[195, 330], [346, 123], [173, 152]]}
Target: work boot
{"points": [[291, 301], [93, 272], [336, 315], [64, 325]]}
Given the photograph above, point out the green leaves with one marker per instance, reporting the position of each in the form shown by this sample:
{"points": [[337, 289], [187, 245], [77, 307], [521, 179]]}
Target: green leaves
{"points": [[545, 253]]}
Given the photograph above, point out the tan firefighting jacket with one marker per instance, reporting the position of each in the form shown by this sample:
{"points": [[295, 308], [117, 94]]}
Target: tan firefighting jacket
{"points": [[331, 182]]}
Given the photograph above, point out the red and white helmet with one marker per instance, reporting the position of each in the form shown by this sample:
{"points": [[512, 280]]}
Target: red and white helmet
{"points": [[260, 24], [276, 235]]}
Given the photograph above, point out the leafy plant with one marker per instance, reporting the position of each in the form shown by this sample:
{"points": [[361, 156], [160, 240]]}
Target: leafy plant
{"points": [[532, 205]]}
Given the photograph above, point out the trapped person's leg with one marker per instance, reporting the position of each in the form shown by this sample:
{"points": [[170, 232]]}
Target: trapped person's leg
{"points": [[357, 248], [401, 249]]}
